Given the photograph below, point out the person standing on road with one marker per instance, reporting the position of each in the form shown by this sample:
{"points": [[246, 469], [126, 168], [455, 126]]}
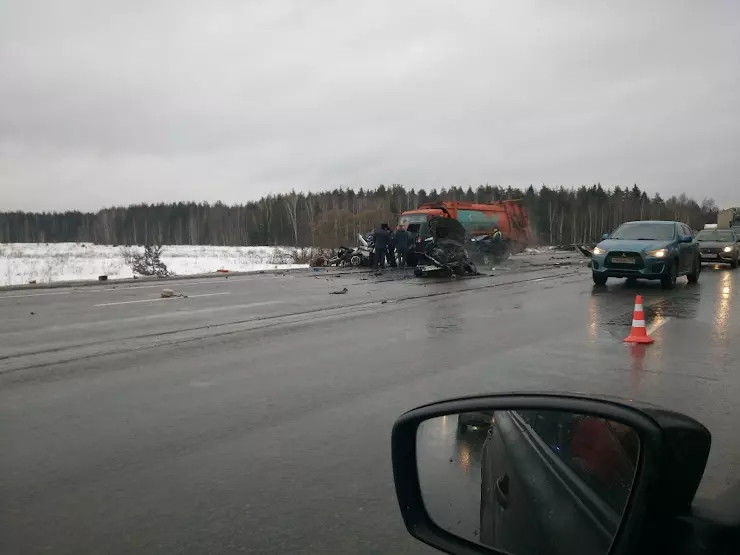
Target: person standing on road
{"points": [[401, 242], [382, 238], [391, 254]]}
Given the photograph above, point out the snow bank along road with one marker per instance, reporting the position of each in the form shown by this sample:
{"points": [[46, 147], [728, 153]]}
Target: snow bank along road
{"points": [[254, 415]]}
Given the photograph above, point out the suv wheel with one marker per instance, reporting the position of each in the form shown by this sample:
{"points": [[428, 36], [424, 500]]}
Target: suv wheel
{"points": [[668, 281], [599, 279], [733, 264], [693, 277]]}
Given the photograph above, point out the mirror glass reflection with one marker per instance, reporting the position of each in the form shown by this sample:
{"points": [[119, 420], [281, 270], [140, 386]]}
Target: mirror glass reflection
{"points": [[528, 482]]}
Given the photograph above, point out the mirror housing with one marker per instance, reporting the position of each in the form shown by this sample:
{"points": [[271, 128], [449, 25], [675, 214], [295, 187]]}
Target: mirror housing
{"points": [[685, 239], [605, 236], [673, 453]]}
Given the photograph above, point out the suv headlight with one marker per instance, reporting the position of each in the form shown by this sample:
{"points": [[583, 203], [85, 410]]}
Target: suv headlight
{"points": [[728, 249], [597, 250], [657, 253]]}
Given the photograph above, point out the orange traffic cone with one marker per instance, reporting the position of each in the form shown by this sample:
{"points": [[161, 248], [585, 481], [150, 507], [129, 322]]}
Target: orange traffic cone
{"points": [[639, 332]]}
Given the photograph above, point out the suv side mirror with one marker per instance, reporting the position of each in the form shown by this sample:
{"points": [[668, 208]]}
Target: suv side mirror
{"points": [[685, 239], [518, 473], [605, 236]]}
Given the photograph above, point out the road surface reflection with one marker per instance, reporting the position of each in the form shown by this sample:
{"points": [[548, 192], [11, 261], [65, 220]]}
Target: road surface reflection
{"points": [[449, 462]]}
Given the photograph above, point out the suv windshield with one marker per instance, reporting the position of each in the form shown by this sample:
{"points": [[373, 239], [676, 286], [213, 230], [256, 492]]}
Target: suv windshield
{"points": [[643, 231], [715, 235]]}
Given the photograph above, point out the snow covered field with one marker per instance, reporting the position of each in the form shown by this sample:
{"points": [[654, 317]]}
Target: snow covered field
{"points": [[25, 262]]}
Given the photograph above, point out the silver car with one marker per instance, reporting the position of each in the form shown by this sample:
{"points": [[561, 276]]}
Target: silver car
{"points": [[719, 246]]}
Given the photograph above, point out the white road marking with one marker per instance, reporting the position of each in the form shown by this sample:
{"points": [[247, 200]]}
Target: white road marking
{"points": [[163, 299], [163, 284], [183, 283], [34, 295], [538, 279]]}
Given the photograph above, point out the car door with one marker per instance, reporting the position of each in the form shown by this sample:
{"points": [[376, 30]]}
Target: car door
{"points": [[687, 251], [507, 520], [530, 496]]}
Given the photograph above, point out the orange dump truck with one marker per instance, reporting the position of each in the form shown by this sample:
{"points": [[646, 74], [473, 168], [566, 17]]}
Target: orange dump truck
{"points": [[477, 219]]}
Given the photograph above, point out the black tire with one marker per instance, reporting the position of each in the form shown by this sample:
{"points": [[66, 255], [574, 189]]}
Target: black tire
{"points": [[418, 272], [693, 277], [669, 281], [599, 279], [733, 264]]}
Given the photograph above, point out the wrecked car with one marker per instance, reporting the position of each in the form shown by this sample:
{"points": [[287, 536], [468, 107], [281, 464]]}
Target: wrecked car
{"points": [[488, 251], [444, 253], [357, 256]]}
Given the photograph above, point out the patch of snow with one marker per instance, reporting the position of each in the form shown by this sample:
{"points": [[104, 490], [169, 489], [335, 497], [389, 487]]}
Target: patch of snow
{"points": [[21, 263]]}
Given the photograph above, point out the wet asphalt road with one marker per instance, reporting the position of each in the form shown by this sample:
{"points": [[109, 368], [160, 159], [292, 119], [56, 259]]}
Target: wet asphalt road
{"points": [[254, 416]]}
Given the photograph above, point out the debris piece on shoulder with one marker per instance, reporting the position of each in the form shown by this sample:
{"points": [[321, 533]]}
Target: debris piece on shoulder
{"points": [[169, 293], [342, 291], [33, 314], [585, 251]]}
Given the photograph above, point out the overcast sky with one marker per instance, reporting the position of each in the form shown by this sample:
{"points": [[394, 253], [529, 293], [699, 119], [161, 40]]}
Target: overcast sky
{"points": [[107, 103]]}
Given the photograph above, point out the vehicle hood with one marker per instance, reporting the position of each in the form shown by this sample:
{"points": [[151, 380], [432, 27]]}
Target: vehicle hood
{"points": [[446, 228], [632, 245], [714, 244]]}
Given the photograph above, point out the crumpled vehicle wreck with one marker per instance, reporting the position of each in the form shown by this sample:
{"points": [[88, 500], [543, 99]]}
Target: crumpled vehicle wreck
{"points": [[444, 253]]}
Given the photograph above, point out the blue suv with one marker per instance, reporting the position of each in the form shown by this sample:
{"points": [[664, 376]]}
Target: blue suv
{"points": [[647, 250]]}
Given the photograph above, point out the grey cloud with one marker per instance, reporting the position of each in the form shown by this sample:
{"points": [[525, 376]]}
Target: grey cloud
{"points": [[106, 103]]}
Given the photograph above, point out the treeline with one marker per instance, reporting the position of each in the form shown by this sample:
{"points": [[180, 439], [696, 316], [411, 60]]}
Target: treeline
{"points": [[331, 218]]}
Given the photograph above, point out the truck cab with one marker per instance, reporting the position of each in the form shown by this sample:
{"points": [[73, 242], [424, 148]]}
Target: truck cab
{"points": [[478, 219]]}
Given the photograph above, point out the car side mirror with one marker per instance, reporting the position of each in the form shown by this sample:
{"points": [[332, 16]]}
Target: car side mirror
{"points": [[605, 236], [686, 239], [529, 473]]}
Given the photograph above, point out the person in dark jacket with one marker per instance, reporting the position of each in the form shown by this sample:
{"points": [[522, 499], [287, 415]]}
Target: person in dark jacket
{"points": [[382, 238], [391, 254], [402, 241]]}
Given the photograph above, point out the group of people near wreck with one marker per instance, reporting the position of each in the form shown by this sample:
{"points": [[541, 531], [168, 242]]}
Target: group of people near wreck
{"points": [[389, 245], [392, 245]]}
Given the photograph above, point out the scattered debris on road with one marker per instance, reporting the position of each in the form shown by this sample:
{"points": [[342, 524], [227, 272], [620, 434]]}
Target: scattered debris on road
{"points": [[33, 314], [169, 293], [342, 291], [585, 251]]}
